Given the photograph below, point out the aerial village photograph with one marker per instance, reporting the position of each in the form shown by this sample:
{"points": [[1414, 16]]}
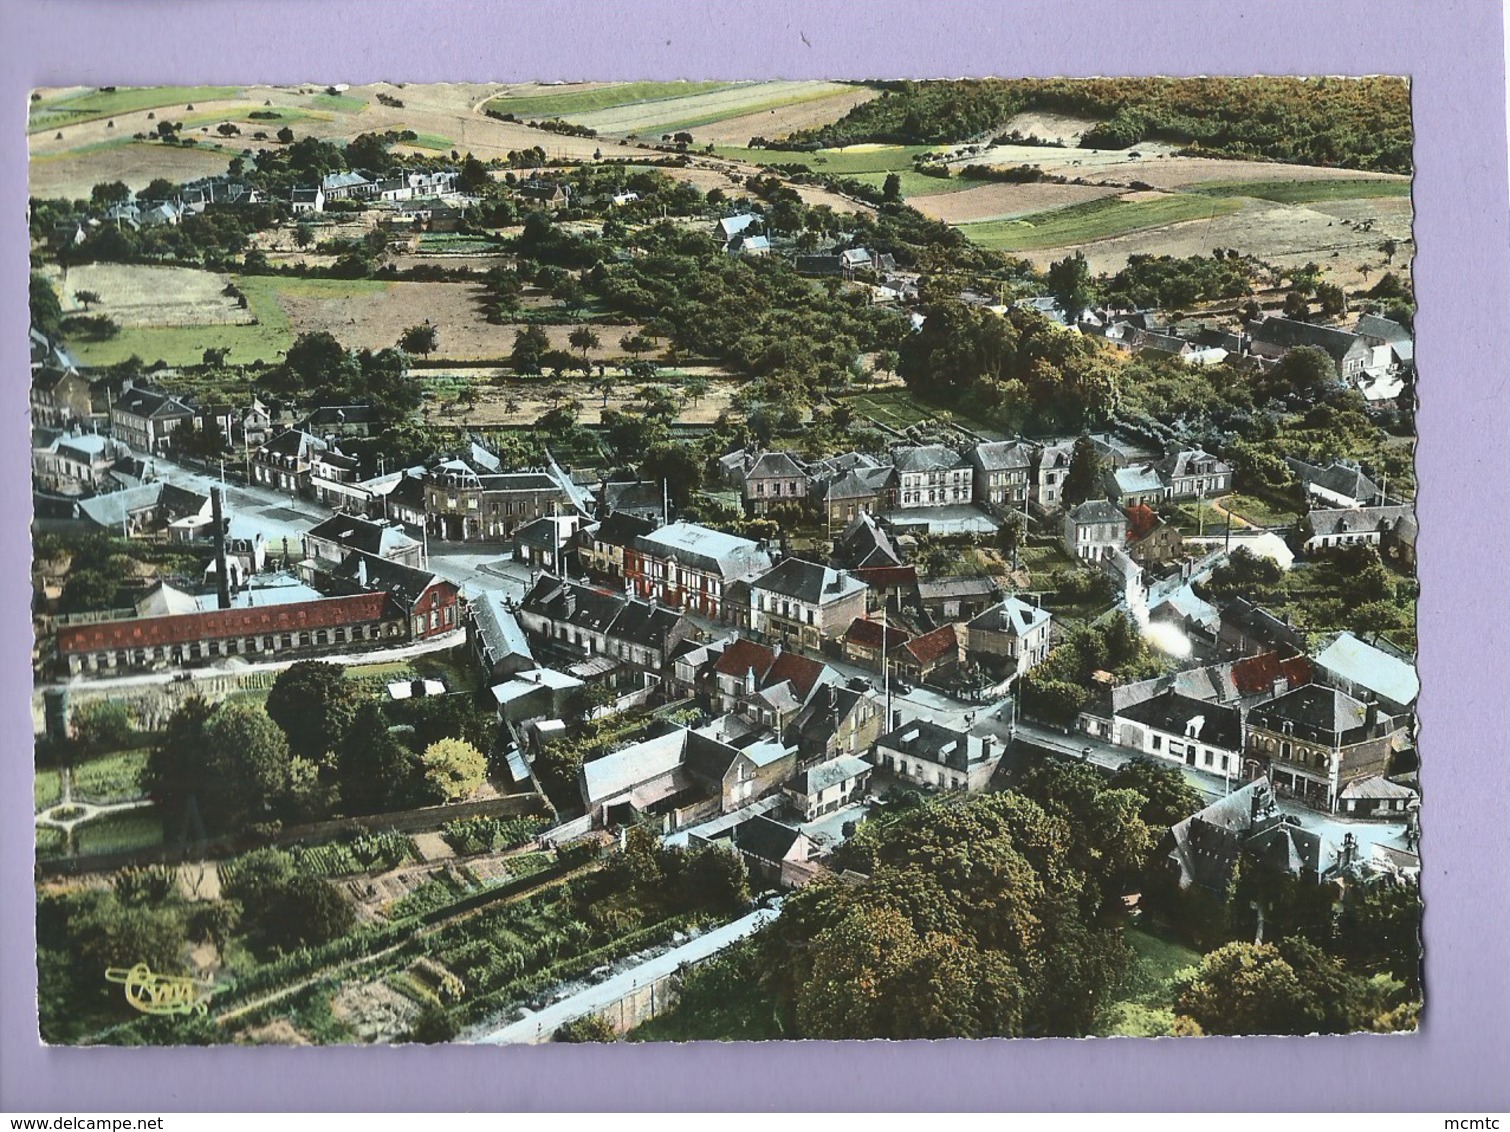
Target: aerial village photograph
{"points": [[724, 561]]}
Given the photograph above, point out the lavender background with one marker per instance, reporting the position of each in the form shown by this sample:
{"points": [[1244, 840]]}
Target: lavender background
{"points": [[1453, 51]]}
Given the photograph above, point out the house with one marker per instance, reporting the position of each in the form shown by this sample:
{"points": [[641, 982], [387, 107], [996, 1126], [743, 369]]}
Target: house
{"points": [[146, 507], [1246, 824], [930, 656], [1361, 526], [838, 719], [342, 421], [544, 543], [335, 538], [1193, 473], [1175, 728], [75, 464], [348, 185], [1377, 797], [430, 604], [766, 685], [601, 547], [468, 499], [1312, 741], [828, 786], [865, 544], [928, 754], [1014, 635], [1248, 628], [1150, 540], [533, 694], [1400, 340], [290, 631], [737, 776], [690, 567], [602, 623], [729, 228], [305, 199], [256, 424], [748, 245], [774, 477], [1095, 528], [539, 190], [1138, 485], [286, 462], [644, 499], [858, 491], [1355, 357], [957, 598], [1049, 473], [497, 640], [1368, 671], [1340, 484], [144, 417], [931, 475], [774, 853], [867, 641], [804, 603]]}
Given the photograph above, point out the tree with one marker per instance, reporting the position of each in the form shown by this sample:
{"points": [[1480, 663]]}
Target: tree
{"points": [[46, 310], [318, 361], [248, 762], [108, 193], [1389, 248], [88, 298], [454, 768], [159, 189], [679, 466], [314, 705], [285, 135], [1306, 371], [1069, 282], [303, 235], [530, 345], [584, 338], [1168, 796], [1333, 300], [588, 1028], [101, 725], [891, 188], [419, 339], [1083, 479], [1292, 987]]}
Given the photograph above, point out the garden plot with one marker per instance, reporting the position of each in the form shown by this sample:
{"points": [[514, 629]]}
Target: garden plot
{"points": [[150, 295]]}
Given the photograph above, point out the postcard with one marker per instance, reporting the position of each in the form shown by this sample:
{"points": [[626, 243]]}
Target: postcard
{"points": [[725, 561]]}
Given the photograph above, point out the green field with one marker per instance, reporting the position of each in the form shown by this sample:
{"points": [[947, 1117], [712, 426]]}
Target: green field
{"points": [[185, 345], [340, 103], [46, 789], [455, 242], [840, 162], [916, 184], [431, 141], [111, 778], [120, 833], [560, 104], [894, 407], [1144, 1007], [1259, 512], [672, 125], [1303, 192], [55, 113], [1095, 220]]}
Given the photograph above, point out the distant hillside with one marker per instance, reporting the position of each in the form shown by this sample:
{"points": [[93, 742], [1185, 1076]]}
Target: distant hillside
{"points": [[1350, 123]]}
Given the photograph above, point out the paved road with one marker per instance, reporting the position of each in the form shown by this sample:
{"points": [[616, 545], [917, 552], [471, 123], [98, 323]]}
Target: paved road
{"points": [[535, 1028]]}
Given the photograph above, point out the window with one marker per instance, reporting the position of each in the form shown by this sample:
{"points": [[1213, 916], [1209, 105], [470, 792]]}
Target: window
{"points": [[1158, 742]]}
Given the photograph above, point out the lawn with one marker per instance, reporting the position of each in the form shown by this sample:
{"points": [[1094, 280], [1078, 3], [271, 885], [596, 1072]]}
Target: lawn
{"points": [[111, 778], [455, 242], [564, 103], [52, 113], [50, 842], [916, 184], [1259, 512], [1144, 1007], [46, 789], [261, 341], [1303, 192], [1095, 220], [120, 833]]}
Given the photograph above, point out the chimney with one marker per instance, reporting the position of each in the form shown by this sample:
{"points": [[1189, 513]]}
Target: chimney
{"points": [[1371, 715], [222, 575], [896, 720], [987, 745], [362, 572]]}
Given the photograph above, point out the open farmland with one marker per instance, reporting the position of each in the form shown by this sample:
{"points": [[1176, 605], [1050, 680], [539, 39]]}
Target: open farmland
{"points": [[56, 110], [72, 173], [665, 115], [149, 295], [974, 201], [573, 100], [779, 121], [1095, 220], [1306, 192]]}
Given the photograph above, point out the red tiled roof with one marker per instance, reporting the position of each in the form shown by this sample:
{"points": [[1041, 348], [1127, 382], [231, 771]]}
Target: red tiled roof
{"points": [[802, 672], [867, 634], [741, 656], [930, 646], [770, 669], [887, 577], [1255, 674], [218, 624]]}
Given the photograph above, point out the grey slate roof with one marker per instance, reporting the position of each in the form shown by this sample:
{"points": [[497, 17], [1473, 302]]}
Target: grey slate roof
{"points": [[1287, 334], [807, 582], [931, 742], [775, 465], [356, 532], [1316, 713], [498, 628], [1369, 667], [927, 458], [1097, 511], [1359, 520], [818, 778], [1013, 616], [1202, 721], [1000, 456]]}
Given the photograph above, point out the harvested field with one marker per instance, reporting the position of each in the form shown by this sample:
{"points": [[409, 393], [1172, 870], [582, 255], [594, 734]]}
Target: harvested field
{"points": [[71, 174], [993, 201], [532, 400], [149, 295], [572, 100], [777, 122], [1095, 220], [1048, 126], [695, 110]]}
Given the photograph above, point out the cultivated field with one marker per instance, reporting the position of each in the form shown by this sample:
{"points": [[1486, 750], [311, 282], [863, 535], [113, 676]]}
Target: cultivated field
{"points": [[59, 108], [72, 173], [992, 201], [779, 121], [692, 111], [572, 100], [137, 295], [1095, 220]]}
